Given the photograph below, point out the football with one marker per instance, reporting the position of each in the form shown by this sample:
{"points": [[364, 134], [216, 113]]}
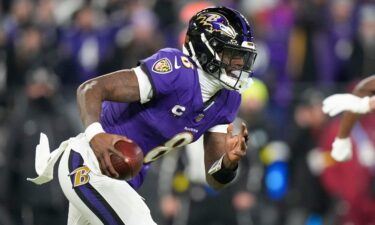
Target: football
{"points": [[131, 163]]}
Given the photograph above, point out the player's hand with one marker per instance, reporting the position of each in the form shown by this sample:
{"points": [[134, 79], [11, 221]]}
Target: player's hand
{"points": [[338, 103], [235, 146], [103, 146], [342, 149]]}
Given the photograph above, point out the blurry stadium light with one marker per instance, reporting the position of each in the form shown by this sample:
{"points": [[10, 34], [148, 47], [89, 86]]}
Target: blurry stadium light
{"points": [[314, 219], [274, 151], [276, 180]]}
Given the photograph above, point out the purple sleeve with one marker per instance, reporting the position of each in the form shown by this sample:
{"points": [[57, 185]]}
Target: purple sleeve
{"points": [[163, 72], [233, 104]]}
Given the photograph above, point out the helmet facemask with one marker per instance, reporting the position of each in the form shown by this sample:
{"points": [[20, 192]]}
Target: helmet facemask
{"points": [[233, 65], [230, 64]]}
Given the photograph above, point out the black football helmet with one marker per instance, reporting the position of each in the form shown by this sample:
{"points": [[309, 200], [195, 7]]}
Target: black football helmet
{"points": [[220, 39]]}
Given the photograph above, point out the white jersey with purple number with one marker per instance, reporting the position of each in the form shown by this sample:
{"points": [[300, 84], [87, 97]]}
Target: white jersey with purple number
{"points": [[176, 115]]}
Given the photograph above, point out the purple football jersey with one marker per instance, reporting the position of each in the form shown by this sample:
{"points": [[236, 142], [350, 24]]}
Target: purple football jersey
{"points": [[175, 116]]}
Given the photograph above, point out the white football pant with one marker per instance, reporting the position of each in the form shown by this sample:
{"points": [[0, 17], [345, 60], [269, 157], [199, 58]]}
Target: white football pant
{"points": [[94, 198]]}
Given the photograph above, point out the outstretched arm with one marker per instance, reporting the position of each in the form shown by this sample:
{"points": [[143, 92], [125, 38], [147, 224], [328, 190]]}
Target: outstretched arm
{"points": [[222, 154], [354, 105], [363, 89], [120, 86]]}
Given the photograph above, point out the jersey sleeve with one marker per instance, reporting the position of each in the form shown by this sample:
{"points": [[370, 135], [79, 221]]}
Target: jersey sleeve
{"points": [[165, 71], [145, 88], [232, 100], [233, 105], [221, 128]]}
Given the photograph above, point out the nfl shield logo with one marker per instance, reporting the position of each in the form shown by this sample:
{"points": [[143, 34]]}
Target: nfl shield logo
{"points": [[162, 66]]}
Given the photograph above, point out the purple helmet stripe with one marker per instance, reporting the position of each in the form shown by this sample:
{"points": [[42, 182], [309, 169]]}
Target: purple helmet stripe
{"points": [[91, 197]]}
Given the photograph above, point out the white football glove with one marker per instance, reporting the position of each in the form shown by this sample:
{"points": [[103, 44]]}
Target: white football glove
{"points": [[338, 103], [342, 149]]}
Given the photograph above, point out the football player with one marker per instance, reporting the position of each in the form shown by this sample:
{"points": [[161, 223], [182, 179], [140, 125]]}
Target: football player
{"points": [[362, 101], [169, 100]]}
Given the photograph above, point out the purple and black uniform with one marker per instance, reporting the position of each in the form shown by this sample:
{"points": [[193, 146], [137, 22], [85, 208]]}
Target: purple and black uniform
{"points": [[176, 114]]}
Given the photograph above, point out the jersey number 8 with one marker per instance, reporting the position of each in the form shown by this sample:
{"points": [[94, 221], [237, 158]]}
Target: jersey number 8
{"points": [[178, 140]]}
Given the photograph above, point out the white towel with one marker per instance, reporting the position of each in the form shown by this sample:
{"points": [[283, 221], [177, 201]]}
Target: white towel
{"points": [[45, 160]]}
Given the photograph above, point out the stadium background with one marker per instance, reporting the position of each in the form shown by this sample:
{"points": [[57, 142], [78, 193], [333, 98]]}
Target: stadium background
{"points": [[307, 49]]}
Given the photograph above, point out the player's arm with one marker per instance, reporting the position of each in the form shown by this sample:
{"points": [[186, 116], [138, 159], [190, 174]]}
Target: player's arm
{"points": [[363, 90], [361, 101], [222, 154], [355, 104], [120, 86]]}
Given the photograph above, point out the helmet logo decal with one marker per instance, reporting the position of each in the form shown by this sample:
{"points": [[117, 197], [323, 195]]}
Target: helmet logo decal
{"points": [[162, 66], [217, 22]]}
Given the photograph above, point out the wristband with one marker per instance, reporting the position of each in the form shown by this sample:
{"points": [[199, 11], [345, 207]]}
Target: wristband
{"points": [[221, 174], [92, 130], [224, 176]]}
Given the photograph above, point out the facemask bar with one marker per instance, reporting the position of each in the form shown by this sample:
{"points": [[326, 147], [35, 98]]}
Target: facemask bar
{"points": [[205, 41], [194, 56], [230, 53], [239, 78]]}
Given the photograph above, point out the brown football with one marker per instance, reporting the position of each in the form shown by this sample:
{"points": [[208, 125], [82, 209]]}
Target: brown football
{"points": [[132, 160]]}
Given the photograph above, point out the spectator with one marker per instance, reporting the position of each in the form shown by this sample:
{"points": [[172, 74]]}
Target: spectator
{"points": [[38, 109], [355, 203], [86, 47], [306, 197]]}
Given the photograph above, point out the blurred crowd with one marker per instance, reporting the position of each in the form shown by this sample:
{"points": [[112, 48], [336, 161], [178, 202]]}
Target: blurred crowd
{"points": [[307, 49]]}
